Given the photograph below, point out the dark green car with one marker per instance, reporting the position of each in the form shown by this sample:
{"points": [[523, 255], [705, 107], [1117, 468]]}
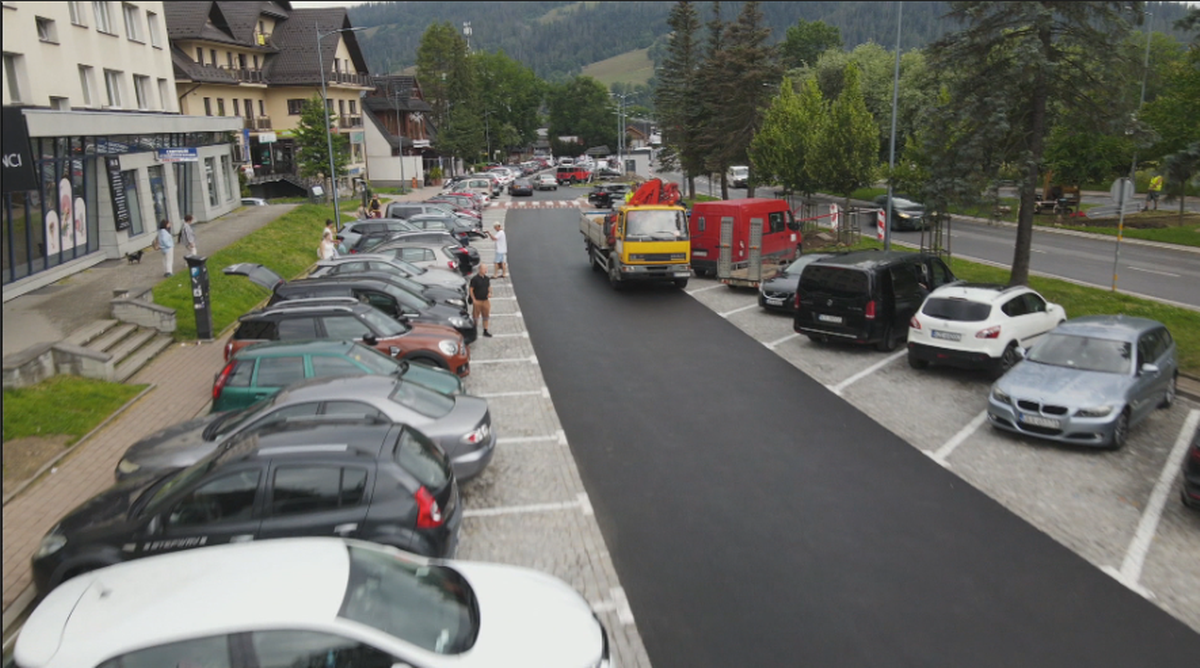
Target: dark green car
{"points": [[263, 369]]}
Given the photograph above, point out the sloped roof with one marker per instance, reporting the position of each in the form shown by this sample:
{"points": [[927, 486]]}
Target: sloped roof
{"points": [[187, 69], [379, 103], [296, 38]]}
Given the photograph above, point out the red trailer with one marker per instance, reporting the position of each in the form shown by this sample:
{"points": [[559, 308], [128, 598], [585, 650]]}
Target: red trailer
{"points": [[743, 241]]}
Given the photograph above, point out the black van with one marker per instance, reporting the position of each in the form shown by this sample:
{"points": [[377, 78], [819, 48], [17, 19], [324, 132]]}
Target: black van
{"points": [[866, 296]]}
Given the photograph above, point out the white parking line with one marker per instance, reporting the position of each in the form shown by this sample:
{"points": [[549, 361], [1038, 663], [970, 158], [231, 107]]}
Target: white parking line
{"points": [[1135, 558], [532, 359], [617, 603], [1152, 271], [785, 339], [559, 437], [582, 503], [963, 434], [837, 389], [544, 393], [507, 315], [738, 310], [705, 289], [515, 335]]}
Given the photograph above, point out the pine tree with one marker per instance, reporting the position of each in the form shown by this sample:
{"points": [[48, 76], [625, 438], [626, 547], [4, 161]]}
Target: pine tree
{"points": [[676, 92], [709, 99]]}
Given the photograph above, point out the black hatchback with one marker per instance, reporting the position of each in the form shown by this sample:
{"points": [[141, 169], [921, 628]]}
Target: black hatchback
{"points": [[866, 296], [380, 482]]}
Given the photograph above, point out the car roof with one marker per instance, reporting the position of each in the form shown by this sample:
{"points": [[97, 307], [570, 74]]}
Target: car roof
{"points": [[869, 259], [979, 292], [291, 348], [1122, 327], [289, 307], [342, 435], [279, 583]]}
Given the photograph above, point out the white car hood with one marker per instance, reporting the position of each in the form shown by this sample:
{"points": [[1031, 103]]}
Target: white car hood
{"points": [[527, 614]]}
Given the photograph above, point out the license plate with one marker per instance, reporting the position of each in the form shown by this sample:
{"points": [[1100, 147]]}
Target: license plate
{"points": [[948, 336], [1037, 421], [775, 302], [829, 318]]}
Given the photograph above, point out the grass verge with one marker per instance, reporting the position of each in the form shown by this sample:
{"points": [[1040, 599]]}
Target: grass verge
{"points": [[69, 405], [287, 246]]}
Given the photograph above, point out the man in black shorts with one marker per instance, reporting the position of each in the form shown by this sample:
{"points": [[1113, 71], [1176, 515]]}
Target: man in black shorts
{"points": [[481, 298]]}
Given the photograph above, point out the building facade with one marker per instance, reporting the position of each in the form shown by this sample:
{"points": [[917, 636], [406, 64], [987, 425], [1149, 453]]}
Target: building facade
{"points": [[99, 150], [398, 132], [258, 62]]}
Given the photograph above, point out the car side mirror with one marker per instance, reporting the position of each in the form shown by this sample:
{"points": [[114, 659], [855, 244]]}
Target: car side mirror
{"points": [[394, 351], [1149, 369], [370, 340], [794, 226], [1022, 352]]}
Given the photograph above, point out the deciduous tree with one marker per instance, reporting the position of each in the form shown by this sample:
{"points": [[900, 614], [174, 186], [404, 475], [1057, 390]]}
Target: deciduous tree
{"points": [[781, 148], [805, 41], [845, 153], [312, 144]]}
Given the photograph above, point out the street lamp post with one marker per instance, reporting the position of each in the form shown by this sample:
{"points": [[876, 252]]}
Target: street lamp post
{"points": [[399, 136], [337, 211]]}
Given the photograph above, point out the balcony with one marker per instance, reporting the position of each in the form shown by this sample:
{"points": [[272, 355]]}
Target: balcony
{"points": [[349, 121], [349, 78], [247, 75], [257, 123]]}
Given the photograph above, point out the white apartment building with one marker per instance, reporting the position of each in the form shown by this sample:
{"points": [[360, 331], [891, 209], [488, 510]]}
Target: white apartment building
{"points": [[95, 148]]}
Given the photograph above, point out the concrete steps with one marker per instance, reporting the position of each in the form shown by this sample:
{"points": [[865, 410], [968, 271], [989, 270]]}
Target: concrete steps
{"points": [[140, 357], [128, 346], [111, 337], [83, 336]]}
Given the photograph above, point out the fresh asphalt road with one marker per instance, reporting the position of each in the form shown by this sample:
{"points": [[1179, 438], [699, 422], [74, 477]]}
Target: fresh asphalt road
{"points": [[756, 519], [1164, 273]]}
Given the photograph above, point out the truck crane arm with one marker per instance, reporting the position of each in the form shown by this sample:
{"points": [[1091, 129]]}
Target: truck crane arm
{"points": [[655, 191]]}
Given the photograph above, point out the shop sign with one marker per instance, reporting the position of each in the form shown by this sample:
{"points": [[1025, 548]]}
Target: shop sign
{"points": [[267, 138], [116, 189], [18, 159], [420, 143], [187, 154], [356, 137]]}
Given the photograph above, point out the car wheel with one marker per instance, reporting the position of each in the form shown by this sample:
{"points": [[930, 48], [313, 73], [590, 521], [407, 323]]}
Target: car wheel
{"points": [[592, 258], [816, 338], [1169, 398], [1120, 432], [888, 343], [681, 283], [916, 362], [1008, 359]]}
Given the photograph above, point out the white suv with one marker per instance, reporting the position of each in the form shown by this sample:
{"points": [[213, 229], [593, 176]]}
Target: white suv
{"points": [[975, 325]]}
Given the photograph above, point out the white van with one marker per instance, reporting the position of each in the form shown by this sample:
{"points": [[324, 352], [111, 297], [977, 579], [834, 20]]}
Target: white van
{"points": [[738, 176], [477, 184]]}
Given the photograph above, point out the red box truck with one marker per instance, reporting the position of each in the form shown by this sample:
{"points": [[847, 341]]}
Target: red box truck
{"points": [[743, 241]]}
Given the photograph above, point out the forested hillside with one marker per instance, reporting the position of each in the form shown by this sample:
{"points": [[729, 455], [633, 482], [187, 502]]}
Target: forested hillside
{"points": [[557, 39]]}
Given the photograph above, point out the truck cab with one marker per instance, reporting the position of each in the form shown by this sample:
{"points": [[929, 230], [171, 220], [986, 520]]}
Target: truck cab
{"points": [[743, 241]]}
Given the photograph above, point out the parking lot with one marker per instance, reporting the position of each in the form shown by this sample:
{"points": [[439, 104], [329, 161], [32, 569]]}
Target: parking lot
{"points": [[1119, 510]]}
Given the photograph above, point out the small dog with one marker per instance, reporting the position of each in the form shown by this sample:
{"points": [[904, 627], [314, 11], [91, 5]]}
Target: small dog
{"points": [[135, 257]]}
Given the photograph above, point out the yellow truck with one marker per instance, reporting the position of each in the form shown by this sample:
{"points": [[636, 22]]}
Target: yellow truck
{"points": [[643, 240]]}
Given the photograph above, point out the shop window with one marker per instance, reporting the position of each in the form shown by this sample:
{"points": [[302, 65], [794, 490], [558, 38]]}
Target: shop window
{"points": [[129, 179], [227, 171], [158, 191], [210, 176]]}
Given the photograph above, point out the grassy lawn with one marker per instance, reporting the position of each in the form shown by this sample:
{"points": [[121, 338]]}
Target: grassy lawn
{"points": [[633, 67], [288, 246], [1079, 300], [68, 405]]}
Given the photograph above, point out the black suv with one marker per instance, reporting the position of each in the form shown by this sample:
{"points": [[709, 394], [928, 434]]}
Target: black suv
{"points": [[380, 482], [866, 296], [382, 292]]}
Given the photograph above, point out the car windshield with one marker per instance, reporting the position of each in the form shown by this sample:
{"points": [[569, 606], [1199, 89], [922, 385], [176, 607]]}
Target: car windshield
{"points": [[798, 266], [424, 401], [655, 225], [423, 459], [377, 362], [432, 607], [383, 324], [233, 420], [407, 266], [960, 310], [1085, 353]]}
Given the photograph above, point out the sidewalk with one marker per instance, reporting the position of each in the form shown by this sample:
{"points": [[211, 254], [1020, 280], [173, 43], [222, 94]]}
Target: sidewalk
{"points": [[181, 378]]}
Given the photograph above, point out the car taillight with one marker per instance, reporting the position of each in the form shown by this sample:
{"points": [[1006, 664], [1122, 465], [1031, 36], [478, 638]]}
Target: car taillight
{"points": [[429, 515], [228, 350], [219, 383], [914, 323], [989, 333], [452, 264], [869, 312]]}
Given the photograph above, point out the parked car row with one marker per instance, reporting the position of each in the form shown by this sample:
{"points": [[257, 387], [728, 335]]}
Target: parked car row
{"points": [[341, 430], [1084, 381]]}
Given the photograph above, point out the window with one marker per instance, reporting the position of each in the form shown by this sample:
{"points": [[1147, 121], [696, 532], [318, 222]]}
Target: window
{"points": [[141, 87], [256, 61], [777, 221], [210, 168], [199, 55], [416, 254], [249, 107], [46, 30], [229, 498], [13, 66], [60, 103], [164, 93], [422, 458], [76, 9], [212, 57], [112, 86], [1034, 303], [262, 110], [293, 329], [357, 408], [279, 371], [220, 106], [155, 30], [284, 649], [353, 107], [344, 327], [103, 18], [208, 106], [1015, 307], [133, 23], [341, 108], [211, 652], [294, 107], [241, 373], [129, 180], [328, 365], [227, 172], [313, 489], [237, 109]]}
